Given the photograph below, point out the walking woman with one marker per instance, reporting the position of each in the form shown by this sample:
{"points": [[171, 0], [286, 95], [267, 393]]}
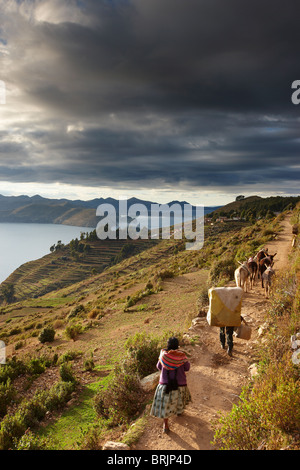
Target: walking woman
{"points": [[172, 393]]}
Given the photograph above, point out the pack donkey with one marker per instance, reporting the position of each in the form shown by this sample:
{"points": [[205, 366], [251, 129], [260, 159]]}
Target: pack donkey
{"points": [[260, 255], [253, 268], [241, 275], [264, 263], [267, 277]]}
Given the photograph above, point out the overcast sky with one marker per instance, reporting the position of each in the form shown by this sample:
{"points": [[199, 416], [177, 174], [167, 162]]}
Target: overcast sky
{"points": [[161, 99]]}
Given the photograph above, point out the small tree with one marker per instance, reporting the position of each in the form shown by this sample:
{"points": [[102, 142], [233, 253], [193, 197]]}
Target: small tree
{"points": [[59, 245], [47, 335]]}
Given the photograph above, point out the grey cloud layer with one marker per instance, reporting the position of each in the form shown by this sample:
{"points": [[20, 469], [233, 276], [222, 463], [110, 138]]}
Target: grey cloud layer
{"points": [[152, 91]]}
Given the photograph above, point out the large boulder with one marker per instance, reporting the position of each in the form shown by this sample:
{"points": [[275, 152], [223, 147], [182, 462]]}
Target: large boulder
{"points": [[111, 445], [150, 382]]}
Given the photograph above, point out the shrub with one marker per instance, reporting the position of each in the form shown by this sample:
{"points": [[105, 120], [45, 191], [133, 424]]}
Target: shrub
{"points": [[89, 363], [47, 335], [7, 393], [30, 412], [58, 323], [143, 351], [149, 285], [15, 331], [73, 331], [283, 294], [222, 270], [55, 359], [132, 300], [31, 442], [36, 366], [69, 356], [66, 373], [267, 232], [126, 251], [19, 345], [122, 399], [58, 395], [203, 299], [93, 313], [12, 369], [165, 274], [76, 310], [12, 428]]}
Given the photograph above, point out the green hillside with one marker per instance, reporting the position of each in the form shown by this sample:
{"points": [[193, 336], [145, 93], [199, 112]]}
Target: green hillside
{"points": [[256, 207]]}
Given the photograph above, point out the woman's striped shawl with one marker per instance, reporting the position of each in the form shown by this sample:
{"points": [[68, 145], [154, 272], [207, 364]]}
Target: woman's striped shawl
{"points": [[172, 359]]}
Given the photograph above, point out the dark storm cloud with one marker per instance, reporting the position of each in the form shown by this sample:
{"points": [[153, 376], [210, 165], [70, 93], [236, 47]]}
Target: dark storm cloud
{"points": [[169, 55], [155, 91]]}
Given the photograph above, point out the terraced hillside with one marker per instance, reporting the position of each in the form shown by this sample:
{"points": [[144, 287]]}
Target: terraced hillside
{"points": [[66, 266]]}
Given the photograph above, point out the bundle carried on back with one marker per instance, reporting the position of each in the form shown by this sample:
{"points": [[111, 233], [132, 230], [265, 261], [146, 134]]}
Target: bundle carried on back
{"points": [[172, 359], [225, 305]]}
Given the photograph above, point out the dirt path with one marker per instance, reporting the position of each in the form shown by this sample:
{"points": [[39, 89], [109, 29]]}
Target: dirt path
{"points": [[215, 379]]}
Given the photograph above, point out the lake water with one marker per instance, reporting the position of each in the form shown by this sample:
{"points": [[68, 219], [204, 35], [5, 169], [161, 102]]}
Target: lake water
{"points": [[20, 243]]}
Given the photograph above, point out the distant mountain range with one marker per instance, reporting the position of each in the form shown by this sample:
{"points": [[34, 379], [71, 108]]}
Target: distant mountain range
{"points": [[37, 209]]}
